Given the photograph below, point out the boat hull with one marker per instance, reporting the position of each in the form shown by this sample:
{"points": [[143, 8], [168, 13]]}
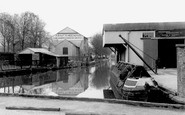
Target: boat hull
{"points": [[121, 92]]}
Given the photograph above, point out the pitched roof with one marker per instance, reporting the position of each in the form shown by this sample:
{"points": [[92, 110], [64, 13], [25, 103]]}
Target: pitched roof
{"points": [[144, 26], [74, 42], [55, 42], [67, 30], [37, 50]]}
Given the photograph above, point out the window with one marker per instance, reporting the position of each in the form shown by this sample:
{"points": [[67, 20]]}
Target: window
{"points": [[65, 50]]}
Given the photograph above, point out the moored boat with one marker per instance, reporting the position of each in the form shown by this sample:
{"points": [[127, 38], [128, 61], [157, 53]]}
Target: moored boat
{"points": [[131, 82]]}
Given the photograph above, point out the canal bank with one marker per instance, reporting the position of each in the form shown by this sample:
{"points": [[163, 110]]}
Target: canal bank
{"points": [[87, 81], [167, 80], [36, 104], [133, 82], [82, 105], [23, 71], [17, 71]]}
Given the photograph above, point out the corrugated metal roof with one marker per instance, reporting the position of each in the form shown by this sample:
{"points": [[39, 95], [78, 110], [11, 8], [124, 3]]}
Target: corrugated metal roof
{"points": [[144, 26], [38, 50]]}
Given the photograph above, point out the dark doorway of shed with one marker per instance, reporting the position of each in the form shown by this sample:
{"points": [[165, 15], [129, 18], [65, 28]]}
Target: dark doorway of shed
{"points": [[167, 52]]}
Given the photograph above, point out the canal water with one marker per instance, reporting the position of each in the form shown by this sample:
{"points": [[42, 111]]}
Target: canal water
{"points": [[89, 82], [74, 82]]}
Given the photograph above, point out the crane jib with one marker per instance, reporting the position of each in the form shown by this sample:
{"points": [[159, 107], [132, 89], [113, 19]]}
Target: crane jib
{"points": [[137, 54]]}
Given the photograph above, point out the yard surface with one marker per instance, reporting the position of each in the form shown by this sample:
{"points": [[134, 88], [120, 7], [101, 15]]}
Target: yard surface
{"points": [[77, 107], [167, 78]]}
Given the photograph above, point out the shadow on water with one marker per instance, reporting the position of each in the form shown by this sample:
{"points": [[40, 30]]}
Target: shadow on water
{"points": [[101, 77]]}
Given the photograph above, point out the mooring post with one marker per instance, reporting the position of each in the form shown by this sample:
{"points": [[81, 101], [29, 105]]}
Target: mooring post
{"points": [[181, 69]]}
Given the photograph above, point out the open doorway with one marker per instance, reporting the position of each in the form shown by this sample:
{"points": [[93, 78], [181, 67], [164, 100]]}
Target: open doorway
{"points": [[167, 52]]}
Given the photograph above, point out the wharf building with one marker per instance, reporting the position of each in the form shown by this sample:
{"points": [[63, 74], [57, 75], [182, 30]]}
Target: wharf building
{"points": [[155, 42], [71, 44]]}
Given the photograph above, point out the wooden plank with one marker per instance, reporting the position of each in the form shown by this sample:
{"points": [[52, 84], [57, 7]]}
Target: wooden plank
{"points": [[32, 108]]}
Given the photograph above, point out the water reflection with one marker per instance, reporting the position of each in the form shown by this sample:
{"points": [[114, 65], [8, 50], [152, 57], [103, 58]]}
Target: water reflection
{"points": [[100, 77], [79, 82], [98, 81]]}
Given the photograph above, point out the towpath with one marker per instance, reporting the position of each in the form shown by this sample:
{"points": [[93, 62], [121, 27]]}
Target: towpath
{"points": [[78, 107], [167, 79]]}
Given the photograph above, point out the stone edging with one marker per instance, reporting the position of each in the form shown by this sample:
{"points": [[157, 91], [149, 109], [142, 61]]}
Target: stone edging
{"points": [[115, 101], [173, 95]]}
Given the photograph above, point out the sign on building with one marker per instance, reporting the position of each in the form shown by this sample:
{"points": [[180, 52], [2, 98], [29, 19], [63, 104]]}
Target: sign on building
{"points": [[148, 35], [69, 36], [170, 34]]}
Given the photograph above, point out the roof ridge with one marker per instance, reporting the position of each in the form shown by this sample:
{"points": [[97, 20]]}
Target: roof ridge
{"points": [[144, 26], [64, 31], [70, 31]]}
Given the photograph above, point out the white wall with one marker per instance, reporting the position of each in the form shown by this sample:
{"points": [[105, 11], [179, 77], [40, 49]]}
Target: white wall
{"points": [[71, 48], [113, 37], [134, 37]]}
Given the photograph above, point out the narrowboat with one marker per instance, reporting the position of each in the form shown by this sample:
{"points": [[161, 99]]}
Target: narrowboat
{"points": [[131, 82]]}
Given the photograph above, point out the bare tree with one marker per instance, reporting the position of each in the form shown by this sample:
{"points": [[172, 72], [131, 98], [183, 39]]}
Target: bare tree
{"points": [[2, 30], [97, 42], [15, 32], [37, 32], [19, 32], [7, 30], [47, 42], [33, 33], [25, 25]]}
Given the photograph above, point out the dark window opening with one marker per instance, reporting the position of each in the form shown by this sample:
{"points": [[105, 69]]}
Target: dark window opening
{"points": [[65, 50], [167, 52]]}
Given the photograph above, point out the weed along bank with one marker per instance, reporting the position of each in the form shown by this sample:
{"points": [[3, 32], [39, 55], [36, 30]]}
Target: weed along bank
{"points": [[155, 42]]}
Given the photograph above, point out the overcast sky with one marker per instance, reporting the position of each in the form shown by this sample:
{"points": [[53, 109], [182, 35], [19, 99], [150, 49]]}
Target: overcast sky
{"points": [[88, 16]]}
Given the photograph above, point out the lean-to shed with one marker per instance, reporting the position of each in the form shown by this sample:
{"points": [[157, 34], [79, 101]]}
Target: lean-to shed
{"points": [[37, 56]]}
